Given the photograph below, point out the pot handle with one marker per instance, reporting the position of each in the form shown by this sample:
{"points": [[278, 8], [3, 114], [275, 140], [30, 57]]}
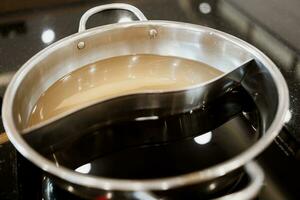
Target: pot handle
{"points": [[256, 176], [97, 9]]}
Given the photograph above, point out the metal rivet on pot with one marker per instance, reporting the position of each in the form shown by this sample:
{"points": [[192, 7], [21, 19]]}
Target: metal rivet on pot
{"points": [[152, 33], [80, 45]]}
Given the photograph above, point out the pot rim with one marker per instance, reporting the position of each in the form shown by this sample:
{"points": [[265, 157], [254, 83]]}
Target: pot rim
{"points": [[149, 184]]}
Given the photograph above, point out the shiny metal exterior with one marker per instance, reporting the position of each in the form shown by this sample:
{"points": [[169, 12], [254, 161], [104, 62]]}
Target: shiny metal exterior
{"points": [[199, 43]]}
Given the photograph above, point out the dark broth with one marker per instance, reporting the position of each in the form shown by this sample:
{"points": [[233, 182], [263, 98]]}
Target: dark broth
{"points": [[162, 146]]}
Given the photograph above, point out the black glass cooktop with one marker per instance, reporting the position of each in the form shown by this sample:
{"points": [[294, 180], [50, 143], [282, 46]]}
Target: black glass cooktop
{"points": [[27, 27]]}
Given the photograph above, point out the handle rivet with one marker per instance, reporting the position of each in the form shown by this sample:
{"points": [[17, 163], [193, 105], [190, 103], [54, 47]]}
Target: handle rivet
{"points": [[80, 45], [153, 33]]}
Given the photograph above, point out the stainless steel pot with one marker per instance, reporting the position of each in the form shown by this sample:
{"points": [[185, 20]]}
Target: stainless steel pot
{"points": [[225, 52]]}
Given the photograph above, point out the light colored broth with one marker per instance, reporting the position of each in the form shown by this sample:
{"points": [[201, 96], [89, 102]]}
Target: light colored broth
{"points": [[118, 76]]}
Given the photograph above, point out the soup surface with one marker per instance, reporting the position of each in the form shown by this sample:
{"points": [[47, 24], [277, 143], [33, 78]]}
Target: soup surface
{"points": [[139, 144], [118, 76]]}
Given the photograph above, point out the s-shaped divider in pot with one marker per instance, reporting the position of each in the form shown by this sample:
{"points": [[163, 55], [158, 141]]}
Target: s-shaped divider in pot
{"points": [[223, 98], [77, 138]]}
